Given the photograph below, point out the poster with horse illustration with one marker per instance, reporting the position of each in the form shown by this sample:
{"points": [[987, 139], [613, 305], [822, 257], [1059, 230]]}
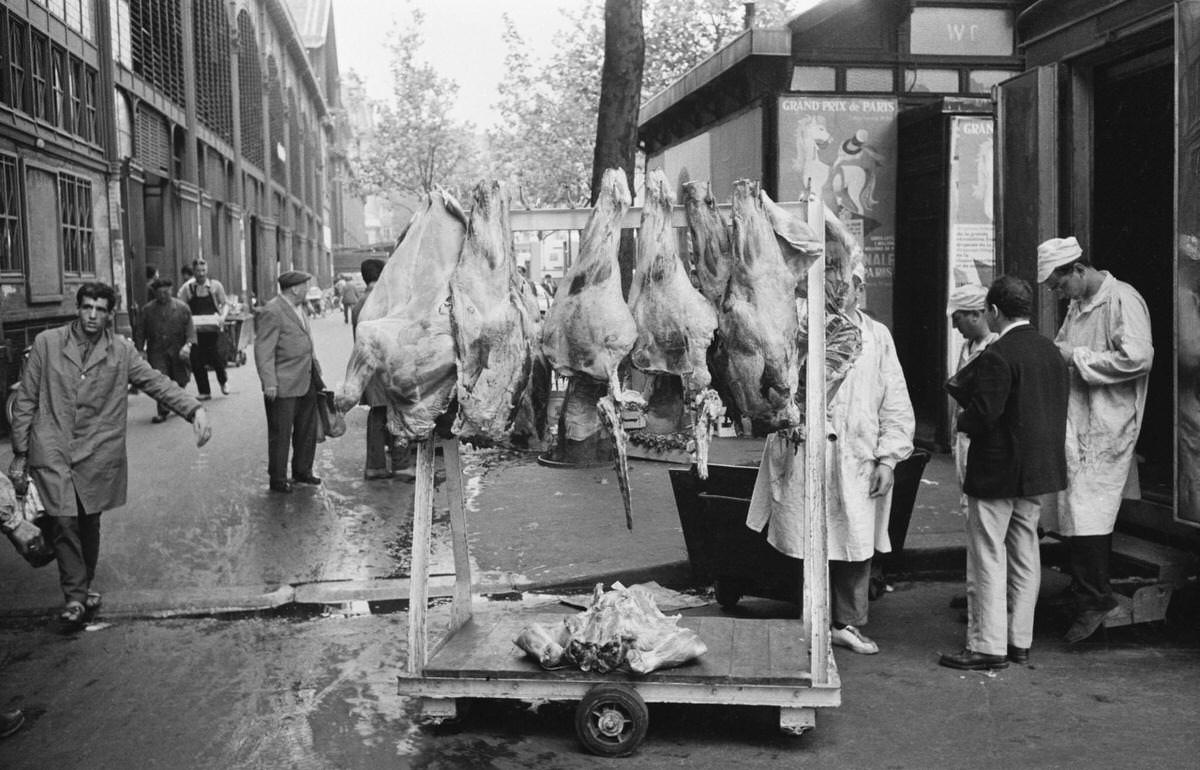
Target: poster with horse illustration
{"points": [[844, 149]]}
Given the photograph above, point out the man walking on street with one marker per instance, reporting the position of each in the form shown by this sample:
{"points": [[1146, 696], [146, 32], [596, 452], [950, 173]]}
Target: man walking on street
{"points": [[166, 333], [291, 378], [1015, 412], [350, 299], [1106, 341], [205, 297], [68, 433]]}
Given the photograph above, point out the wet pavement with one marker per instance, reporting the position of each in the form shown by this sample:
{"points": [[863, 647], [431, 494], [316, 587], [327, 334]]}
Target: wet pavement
{"points": [[279, 664]]}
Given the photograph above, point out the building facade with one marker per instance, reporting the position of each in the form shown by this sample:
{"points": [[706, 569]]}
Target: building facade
{"points": [[138, 133]]}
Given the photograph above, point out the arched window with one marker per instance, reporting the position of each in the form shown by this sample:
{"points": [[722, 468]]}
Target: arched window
{"points": [[275, 121], [250, 91], [214, 93]]}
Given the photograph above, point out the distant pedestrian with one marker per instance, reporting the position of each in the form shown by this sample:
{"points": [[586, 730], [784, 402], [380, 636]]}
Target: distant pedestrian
{"points": [[1105, 340], [1015, 411], [350, 298], [166, 334], [382, 460], [205, 297], [68, 433], [291, 378]]}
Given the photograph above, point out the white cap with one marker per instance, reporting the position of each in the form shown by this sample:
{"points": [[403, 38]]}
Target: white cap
{"points": [[970, 296], [1055, 253]]}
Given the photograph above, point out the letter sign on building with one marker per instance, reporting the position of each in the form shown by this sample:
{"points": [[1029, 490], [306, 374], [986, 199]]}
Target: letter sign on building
{"points": [[961, 32]]}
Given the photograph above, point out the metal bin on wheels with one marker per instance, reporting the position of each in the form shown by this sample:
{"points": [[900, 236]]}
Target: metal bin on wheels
{"points": [[236, 336]]}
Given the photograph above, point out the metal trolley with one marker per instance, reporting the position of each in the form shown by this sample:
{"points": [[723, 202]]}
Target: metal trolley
{"points": [[236, 336], [782, 663]]}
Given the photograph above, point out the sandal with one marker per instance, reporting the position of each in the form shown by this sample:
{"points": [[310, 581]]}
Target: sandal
{"points": [[72, 614]]}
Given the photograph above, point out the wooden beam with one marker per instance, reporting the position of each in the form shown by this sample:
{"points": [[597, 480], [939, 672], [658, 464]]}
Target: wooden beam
{"points": [[418, 591]]}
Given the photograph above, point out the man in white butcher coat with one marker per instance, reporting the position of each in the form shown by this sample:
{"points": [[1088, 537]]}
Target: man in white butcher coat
{"points": [[1105, 340], [872, 417]]}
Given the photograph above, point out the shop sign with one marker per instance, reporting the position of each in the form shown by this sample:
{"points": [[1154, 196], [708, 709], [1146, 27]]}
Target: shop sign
{"points": [[845, 148], [961, 32]]}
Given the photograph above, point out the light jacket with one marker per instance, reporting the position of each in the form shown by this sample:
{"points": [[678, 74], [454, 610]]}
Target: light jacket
{"points": [[70, 417], [1112, 353], [283, 350], [872, 417]]}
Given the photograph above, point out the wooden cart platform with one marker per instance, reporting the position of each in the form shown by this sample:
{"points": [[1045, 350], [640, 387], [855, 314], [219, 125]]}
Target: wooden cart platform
{"points": [[783, 663]]}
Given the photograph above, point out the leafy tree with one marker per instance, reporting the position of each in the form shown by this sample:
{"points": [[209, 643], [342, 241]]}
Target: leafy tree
{"points": [[547, 132], [415, 143]]}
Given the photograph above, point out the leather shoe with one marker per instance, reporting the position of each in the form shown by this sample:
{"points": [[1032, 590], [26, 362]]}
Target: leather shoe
{"points": [[10, 722], [374, 474], [158, 418], [969, 660], [224, 389], [307, 478], [1086, 623], [281, 486], [72, 615], [1018, 655]]}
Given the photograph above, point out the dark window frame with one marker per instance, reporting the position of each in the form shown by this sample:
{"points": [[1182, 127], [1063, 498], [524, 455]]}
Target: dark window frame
{"points": [[77, 227], [12, 230]]}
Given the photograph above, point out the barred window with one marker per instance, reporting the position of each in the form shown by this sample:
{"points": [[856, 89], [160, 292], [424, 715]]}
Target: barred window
{"points": [[250, 90], [75, 216], [214, 93], [89, 131], [11, 241], [17, 31], [156, 45], [40, 50]]}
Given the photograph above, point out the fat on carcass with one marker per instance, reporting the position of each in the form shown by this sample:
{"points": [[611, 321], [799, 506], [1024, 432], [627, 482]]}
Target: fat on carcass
{"points": [[675, 322], [590, 328], [757, 319], [712, 250], [404, 334], [490, 319]]}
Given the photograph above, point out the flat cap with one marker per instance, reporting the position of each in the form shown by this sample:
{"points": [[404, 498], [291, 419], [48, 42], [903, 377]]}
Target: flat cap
{"points": [[293, 278]]}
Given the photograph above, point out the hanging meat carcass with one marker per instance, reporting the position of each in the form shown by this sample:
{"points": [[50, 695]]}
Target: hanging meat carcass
{"points": [[675, 322], [757, 319], [712, 252], [404, 334], [590, 328], [491, 321]]}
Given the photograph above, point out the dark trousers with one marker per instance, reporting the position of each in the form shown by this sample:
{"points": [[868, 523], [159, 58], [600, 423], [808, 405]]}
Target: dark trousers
{"points": [[1089, 571], [77, 548], [378, 439], [204, 353], [849, 582], [174, 367], [291, 421]]}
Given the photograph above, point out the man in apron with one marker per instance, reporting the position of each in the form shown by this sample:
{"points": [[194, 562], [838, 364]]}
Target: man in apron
{"points": [[1105, 340], [205, 297]]}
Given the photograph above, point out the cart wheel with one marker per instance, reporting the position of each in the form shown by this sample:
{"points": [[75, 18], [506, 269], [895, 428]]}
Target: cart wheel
{"points": [[728, 593], [611, 720]]}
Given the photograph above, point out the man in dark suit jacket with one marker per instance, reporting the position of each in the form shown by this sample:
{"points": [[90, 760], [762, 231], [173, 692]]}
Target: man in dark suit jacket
{"points": [[291, 377], [1015, 411]]}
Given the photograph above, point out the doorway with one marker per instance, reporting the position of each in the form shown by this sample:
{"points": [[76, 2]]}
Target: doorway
{"points": [[1133, 230]]}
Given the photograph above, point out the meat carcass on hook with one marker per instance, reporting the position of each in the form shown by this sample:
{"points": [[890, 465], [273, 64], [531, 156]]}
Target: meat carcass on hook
{"points": [[675, 322], [590, 328], [489, 316], [404, 334], [712, 251], [757, 319]]}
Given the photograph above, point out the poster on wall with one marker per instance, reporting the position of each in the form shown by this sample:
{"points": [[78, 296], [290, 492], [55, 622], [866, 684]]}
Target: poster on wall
{"points": [[972, 230], [1187, 221], [844, 148]]}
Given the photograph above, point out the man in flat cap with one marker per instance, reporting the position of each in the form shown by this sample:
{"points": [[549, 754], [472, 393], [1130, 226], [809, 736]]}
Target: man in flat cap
{"points": [[1105, 340], [291, 378]]}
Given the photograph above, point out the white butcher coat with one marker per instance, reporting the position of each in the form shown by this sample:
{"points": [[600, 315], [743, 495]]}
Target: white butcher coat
{"points": [[1110, 369], [872, 417]]}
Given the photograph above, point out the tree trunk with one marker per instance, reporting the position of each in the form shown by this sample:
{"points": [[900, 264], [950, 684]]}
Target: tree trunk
{"points": [[620, 97]]}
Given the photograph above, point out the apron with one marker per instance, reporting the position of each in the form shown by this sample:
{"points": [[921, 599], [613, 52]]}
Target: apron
{"points": [[205, 305]]}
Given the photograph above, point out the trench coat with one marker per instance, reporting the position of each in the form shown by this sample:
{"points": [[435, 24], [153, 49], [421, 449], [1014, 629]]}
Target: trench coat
{"points": [[1112, 352], [70, 417], [872, 417]]}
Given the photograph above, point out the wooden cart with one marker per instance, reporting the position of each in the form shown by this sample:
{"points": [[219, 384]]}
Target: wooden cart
{"points": [[782, 663]]}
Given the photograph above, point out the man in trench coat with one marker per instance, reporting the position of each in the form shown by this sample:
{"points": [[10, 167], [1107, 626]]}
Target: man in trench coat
{"points": [[68, 433]]}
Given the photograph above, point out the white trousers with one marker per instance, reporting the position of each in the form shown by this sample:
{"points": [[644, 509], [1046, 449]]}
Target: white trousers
{"points": [[1004, 572]]}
